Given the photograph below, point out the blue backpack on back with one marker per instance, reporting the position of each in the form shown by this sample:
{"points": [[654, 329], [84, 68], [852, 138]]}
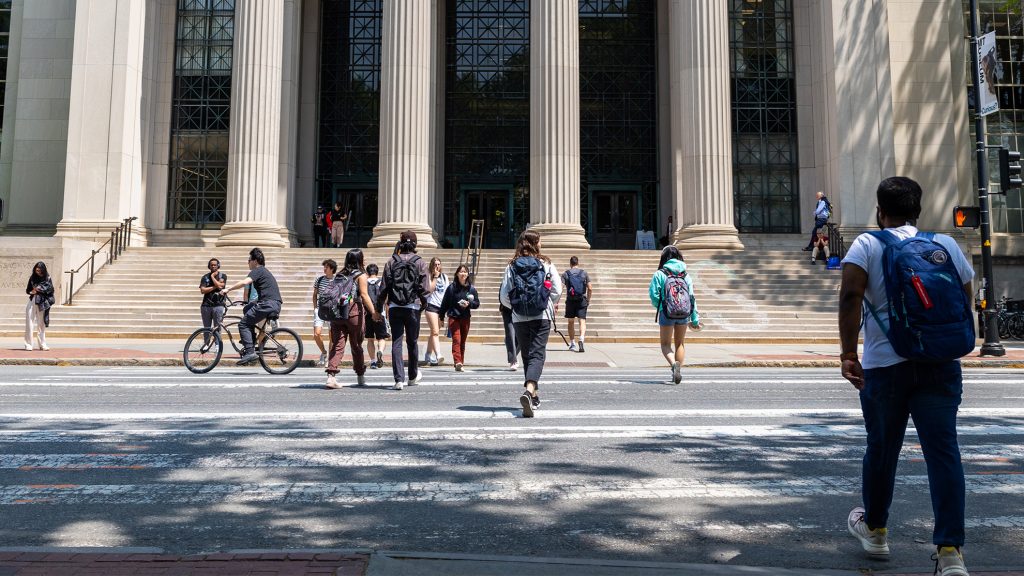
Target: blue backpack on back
{"points": [[528, 293], [929, 312]]}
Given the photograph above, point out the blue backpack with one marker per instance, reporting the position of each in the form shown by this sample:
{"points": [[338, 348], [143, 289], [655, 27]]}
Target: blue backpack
{"points": [[929, 312], [528, 293]]}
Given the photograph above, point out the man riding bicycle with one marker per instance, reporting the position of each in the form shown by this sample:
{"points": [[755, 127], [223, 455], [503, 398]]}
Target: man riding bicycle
{"points": [[268, 304]]}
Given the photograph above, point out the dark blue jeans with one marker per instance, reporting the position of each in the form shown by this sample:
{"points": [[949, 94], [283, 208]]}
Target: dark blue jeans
{"points": [[819, 223], [252, 314], [931, 394], [405, 324]]}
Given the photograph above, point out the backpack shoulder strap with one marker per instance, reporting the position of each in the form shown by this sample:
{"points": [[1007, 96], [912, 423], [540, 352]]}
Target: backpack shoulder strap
{"points": [[926, 235], [886, 238]]}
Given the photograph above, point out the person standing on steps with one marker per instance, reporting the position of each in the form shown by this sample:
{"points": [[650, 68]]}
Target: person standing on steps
{"points": [[577, 297], [530, 287], [349, 328], [822, 212], [671, 293], [911, 311], [404, 287], [460, 299], [212, 309], [319, 220], [438, 286], [37, 311], [330, 269], [376, 330], [268, 303]]}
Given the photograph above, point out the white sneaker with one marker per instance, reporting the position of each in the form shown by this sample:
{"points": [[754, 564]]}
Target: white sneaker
{"points": [[949, 562], [458, 367], [875, 542], [438, 359], [332, 382], [513, 366], [28, 347], [677, 372], [44, 347], [572, 346], [416, 381], [360, 380], [323, 360], [398, 385]]}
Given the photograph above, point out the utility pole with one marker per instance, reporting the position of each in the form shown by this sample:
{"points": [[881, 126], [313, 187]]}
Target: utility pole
{"points": [[991, 346]]}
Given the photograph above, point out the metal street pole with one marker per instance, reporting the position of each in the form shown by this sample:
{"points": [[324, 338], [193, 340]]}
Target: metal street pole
{"points": [[991, 346]]}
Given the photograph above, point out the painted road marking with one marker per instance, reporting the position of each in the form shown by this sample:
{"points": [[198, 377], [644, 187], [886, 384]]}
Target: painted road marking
{"points": [[483, 413], [376, 434], [557, 489], [997, 454]]}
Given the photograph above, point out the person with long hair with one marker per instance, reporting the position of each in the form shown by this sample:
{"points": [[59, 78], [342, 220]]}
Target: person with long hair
{"points": [[672, 330], [438, 286], [37, 311], [351, 329], [404, 286], [531, 287], [459, 300]]}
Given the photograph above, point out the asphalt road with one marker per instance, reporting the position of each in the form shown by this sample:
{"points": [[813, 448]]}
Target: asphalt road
{"points": [[740, 466]]}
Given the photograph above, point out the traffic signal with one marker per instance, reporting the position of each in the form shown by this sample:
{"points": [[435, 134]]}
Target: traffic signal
{"points": [[1009, 170], [967, 216]]}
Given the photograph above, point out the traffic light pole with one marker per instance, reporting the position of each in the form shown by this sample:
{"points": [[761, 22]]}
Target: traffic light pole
{"points": [[991, 346]]}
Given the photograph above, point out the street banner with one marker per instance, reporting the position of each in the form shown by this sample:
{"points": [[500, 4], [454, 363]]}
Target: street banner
{"points": [[987, 100]]}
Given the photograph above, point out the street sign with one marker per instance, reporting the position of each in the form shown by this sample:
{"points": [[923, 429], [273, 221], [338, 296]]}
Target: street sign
{"points": [[967, 216], [987, 101]]}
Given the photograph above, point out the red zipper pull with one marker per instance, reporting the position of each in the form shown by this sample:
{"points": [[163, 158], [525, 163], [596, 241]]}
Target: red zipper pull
{"points": [[921, 292]]}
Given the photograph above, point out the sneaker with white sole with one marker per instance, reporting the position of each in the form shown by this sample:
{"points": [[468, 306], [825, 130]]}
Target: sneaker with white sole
{"points": [[416, 381], [332, 382], [526, 401], [581, 347], [399, 384], [28, 347], [572, 346], [458, 367], [875, 542], [44, 347], [380, 358], [677, 372], [949, 561], [513, 366], [323, 359]]}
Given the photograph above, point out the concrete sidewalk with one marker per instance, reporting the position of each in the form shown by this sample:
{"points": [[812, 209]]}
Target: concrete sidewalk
{"points": [[148, 352], [152, 561]]}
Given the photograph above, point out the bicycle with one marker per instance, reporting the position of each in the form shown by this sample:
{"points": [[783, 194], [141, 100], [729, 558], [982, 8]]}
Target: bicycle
{"points": [[278, 349], [1010, 318]]}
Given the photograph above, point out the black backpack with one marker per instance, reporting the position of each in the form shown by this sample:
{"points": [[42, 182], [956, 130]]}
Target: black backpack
{"points": [[373, 289], [404, 285], [529, 292], [335, 300]]}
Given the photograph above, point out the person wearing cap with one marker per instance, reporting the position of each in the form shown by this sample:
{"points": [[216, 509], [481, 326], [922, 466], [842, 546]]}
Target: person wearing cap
{"points": [[404, 286]]}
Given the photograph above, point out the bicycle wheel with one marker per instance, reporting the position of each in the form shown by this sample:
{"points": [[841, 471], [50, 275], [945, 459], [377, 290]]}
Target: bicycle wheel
{"points": [[281, 351], [1016, 326], [203, 350], [1003, 321]]}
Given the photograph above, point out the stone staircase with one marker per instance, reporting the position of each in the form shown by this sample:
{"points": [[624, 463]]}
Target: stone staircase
{"points": [[756, 296]]}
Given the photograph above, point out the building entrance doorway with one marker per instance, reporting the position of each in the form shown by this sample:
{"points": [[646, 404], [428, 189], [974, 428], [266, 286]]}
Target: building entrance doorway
{"points": [[360, 203], [493, 205], [614, 218]]}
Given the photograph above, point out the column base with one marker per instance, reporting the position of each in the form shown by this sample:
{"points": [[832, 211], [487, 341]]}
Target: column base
{"points": [[386, 235], [707, 237], [251, 235], [562, 236]]}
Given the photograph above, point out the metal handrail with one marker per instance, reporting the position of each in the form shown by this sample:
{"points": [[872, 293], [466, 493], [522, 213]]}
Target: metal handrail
{"points": [[473, 245], [836, 244], [120, 239]]}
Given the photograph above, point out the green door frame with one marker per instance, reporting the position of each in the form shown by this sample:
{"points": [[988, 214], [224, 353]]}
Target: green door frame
{"points": [[592, 188], [350, 186], [464, 188]]}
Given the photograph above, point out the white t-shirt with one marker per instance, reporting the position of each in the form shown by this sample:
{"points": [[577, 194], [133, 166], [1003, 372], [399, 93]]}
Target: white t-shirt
{"points": [[440, 287], [866, 253]]}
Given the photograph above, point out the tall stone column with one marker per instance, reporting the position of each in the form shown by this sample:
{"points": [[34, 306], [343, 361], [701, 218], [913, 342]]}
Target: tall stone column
{"points": [[702, 182], [254, 149], [555, 123], [406, 118]]}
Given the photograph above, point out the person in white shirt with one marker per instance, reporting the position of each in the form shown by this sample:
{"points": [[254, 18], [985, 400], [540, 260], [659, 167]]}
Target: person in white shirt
{"points": [[892, 388], [532, 330], [438, 286]]}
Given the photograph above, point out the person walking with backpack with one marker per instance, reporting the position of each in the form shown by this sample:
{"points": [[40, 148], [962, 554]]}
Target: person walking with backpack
{"points": [[822, 212], [438, 286], [37, 311], [404, 287], [577, 297], [350, 305], [319, 286], [531, 287], [916, 288], [671, 293], [376, 331], [460, 299]]}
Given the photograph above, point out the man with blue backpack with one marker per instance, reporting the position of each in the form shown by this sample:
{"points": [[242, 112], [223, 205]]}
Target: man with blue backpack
{"points": [[577, 298], [911, 292]]}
